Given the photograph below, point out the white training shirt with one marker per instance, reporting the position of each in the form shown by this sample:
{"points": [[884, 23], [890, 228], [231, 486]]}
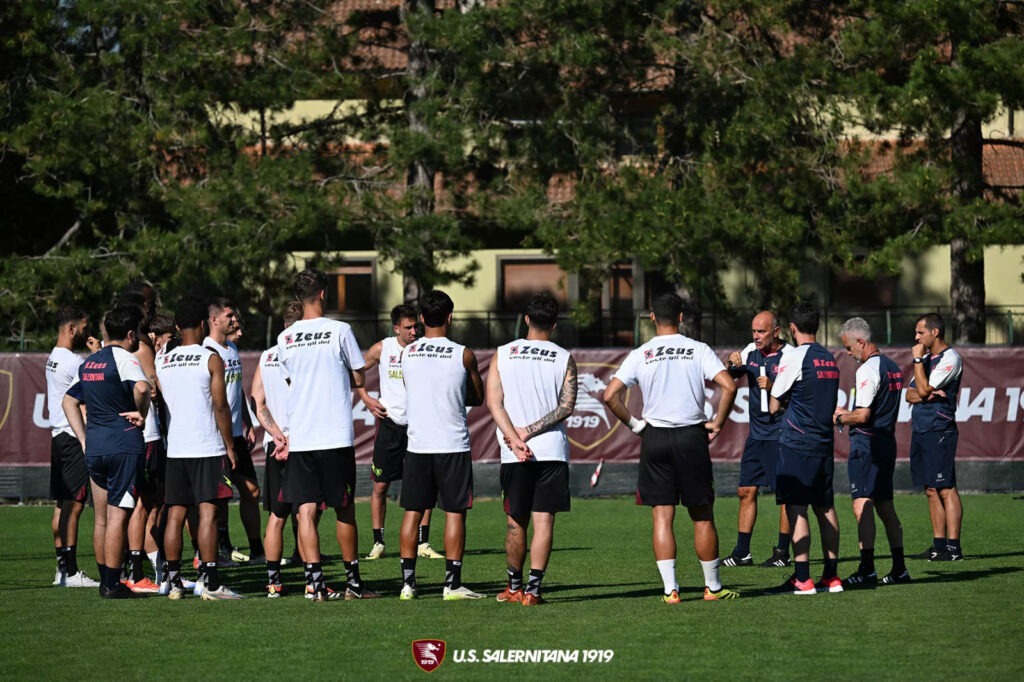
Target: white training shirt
{"points": [[317, 355], [276, 390], [435, 404], [532, 375], [671, 370], [232, 381], [392, 383], [184, 375], [61, 371]]}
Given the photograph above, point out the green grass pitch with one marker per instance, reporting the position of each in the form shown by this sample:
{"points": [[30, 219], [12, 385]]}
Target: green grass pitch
{"points": [[963, 620]]}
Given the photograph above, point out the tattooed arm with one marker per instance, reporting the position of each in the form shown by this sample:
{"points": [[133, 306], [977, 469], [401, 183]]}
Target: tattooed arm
{"points": [[566, 404]]}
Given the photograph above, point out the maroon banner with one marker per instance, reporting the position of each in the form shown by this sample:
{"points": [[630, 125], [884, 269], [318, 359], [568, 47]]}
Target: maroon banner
{"points": [[989, 413]]}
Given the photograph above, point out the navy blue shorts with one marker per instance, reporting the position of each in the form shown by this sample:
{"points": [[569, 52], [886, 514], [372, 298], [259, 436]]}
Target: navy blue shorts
{"points": [[804, 479], [389, 446], [534, 487], [933, 459], [871, 465], [759, 464], [675, 467], [441, 478], [117, 475]]}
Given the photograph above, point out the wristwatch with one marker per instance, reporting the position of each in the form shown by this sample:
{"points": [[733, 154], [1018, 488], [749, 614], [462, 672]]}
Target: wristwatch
{"points": [[918, 361]]}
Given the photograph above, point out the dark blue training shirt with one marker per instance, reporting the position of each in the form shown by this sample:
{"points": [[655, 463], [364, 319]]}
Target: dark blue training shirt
{"points": [[106, 384], [809, 375]]}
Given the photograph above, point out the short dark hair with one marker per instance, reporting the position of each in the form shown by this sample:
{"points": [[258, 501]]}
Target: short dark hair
{"points": [[667, 308], [402, 311], [190, 312], [68, 314], [120, 320], [542, 310], [292, 312], [308, 284], [804, 314], [162, 323], [219, 303], [934, 321], [435, 307]]}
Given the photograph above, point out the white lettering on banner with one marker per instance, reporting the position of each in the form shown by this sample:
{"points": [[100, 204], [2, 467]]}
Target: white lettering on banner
{"points": [[980, 407], [1016, 401], [359, 411], [38, 418], [905, 408], [741, 408]]}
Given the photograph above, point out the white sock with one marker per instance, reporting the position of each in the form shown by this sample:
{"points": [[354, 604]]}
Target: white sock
{"points": [[710, 569], [152, 559], [667, 568]]}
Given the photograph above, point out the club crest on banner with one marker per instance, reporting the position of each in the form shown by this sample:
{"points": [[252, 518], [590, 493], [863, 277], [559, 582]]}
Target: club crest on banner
{"points": [[592, 423], [428, 654]]}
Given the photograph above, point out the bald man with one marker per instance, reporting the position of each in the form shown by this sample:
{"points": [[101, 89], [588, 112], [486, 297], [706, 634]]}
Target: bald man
{"points": [[759, 362]]}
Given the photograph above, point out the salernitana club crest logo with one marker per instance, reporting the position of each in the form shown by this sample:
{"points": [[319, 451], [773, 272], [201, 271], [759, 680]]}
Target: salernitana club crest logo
{"points": [[428, 653]]}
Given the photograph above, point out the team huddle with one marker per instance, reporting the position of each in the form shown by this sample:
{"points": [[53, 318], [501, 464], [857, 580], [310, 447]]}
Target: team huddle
{"points": [[156, 424]]}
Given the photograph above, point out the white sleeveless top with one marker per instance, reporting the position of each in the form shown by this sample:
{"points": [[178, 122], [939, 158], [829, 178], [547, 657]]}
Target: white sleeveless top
{"points": [[276, 390], [184, 375], [435, 385], [232, 381], [532, 375], [392, 385]]}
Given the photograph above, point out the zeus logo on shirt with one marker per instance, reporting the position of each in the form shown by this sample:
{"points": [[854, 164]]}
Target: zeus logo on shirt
{"points": [[531, 351], [429, 350], [668, 351], [307, 338]]}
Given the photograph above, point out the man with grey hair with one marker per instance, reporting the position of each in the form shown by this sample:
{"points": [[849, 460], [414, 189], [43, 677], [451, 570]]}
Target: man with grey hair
{"points": [[872, 452]]}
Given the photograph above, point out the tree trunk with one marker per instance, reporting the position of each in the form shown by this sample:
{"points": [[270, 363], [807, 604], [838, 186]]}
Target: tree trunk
{"points": [[420, 175], [967, 274]]}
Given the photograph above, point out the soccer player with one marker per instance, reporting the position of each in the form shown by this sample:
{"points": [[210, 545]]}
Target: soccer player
{"points": [[114, 388], [322, 360], [872, 460], [441, 381], [223, 321], [938, 371], [809, 378], [392, 436], [759, 362], [531, 390], [69, 481], [675, 463], [150, 480], [200, 448], [270, 396]]}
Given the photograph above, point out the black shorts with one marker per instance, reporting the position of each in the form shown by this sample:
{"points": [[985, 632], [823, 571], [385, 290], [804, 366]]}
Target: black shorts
{"points": [[804, 479], [871, 466], [244, 469], [191, 480], [69, 481], [389, 448], [759, 464], [675, 467], [534, 487], [933, 459], [322, 476], [273, 475], [444, 479], [154, 472], [117, 474]]}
